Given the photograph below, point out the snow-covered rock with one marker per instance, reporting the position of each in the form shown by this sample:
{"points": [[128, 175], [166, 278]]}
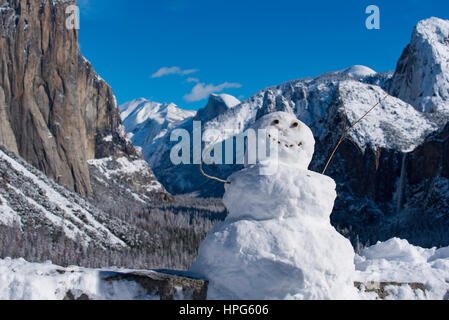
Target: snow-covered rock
{"points": [[393, 125], [117, 179], [217, 104], [277, 242], [20, 280], [422, 74]]}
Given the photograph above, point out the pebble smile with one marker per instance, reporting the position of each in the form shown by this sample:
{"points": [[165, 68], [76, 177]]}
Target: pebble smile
{"points": [[285, 144]]}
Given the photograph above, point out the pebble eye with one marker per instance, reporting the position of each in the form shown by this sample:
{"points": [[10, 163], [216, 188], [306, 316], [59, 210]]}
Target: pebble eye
{"points": [[276, 122], [295, 125]]}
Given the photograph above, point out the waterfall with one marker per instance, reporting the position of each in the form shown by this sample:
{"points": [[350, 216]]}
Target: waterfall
{"points": [[401, 184]]}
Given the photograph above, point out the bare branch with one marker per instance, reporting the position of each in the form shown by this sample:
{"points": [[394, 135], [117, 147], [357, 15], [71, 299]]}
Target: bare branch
{"points": [[345, 130], [210, 177], [205, 174]]}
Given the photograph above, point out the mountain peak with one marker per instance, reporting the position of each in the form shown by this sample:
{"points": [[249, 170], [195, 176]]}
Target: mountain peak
{"points": [[147, 121], [217, 104], [229, 100], [359, 71], [422, 73]]}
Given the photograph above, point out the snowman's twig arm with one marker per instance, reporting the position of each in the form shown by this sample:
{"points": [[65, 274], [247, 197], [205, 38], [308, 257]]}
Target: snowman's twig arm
{"points": [[208, 176], [345, 130]]}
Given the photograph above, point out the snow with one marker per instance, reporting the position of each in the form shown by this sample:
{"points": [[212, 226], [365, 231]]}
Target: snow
{"points": [[138, 111], [393, 124], [126, 166], [277, 241], [8, 216], [392, 261], [148, 122], [20, 280], [108, 138], [112, 168], [398, 261], [358, 71], [70, 229]]}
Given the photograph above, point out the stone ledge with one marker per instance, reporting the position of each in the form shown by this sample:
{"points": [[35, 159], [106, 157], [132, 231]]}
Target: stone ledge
{"points": [[171, 285], [380, 288], [166, 284]]}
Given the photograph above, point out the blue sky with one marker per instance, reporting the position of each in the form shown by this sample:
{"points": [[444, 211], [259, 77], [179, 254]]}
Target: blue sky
{"points": [[179, 50]]}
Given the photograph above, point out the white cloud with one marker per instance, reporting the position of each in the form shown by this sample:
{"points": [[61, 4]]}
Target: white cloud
{"points": [[202, 91], [165, 71], [190, 79]]}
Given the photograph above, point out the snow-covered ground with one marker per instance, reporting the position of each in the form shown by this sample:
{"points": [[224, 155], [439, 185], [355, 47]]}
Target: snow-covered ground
{"points": [[392, 261], [398, 261]]}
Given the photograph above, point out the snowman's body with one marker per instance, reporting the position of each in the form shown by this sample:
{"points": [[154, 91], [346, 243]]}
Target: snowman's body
{"points": [[277, 242]]}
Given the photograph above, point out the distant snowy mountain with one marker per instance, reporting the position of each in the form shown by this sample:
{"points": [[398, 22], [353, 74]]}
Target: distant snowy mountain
{"points": [[148, 122], [218, 104]]}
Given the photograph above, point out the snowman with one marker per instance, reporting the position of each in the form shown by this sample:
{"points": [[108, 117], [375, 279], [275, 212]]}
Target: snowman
{"points": [[278, 242]]}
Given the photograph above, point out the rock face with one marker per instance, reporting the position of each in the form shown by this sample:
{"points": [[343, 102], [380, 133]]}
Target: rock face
{"points": [[422, 74], [55, 111]]}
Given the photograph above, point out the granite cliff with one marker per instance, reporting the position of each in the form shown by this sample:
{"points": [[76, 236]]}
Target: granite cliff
{"points": [[55, 111]]}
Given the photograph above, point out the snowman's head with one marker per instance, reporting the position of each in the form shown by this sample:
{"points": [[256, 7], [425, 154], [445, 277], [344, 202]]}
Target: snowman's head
{"points": [[293, 139]]}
